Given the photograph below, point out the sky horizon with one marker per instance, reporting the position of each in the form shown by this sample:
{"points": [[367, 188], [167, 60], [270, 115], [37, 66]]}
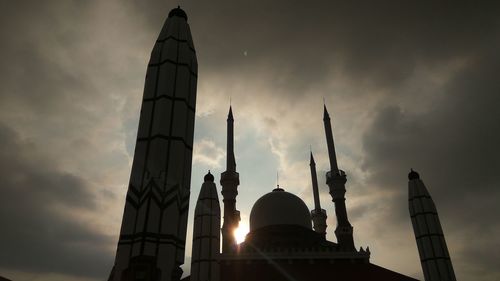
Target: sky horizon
{"points": [[407, 84]]}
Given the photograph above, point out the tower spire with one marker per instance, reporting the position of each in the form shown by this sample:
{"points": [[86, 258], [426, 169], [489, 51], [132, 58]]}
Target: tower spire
{"points": [[329, 140], [314, 179], [336, 180], [318, 215], [230, 180], [230, 160]]}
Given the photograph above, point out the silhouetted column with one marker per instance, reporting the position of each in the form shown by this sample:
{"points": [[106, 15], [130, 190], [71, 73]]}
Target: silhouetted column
{"points": [[206, 233], [230, 180], [153, 232], [318, 215], [434, 256], [336, 180]]}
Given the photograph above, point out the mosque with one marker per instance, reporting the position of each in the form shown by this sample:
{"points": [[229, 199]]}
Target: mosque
{"points": [[286, 241]]}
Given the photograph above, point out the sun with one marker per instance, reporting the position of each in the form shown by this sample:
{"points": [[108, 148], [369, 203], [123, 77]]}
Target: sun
{"points": [[241, 232]]}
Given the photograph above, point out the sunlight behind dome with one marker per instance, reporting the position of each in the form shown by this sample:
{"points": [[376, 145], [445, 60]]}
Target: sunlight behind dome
{"points": [[241, 232]]}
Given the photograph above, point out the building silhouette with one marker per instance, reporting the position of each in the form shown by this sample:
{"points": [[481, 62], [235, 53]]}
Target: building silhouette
{"points": [[153, 233], [206, 233], [434, 256], [287, 241], [282, 244]]}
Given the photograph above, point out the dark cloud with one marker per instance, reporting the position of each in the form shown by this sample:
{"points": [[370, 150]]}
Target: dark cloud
{"points": [[454, 146], [377, 42], [51, 57], [38, 235]]}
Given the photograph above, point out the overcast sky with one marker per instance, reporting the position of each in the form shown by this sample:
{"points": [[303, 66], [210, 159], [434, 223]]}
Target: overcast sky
{"points": [[409, 84]]}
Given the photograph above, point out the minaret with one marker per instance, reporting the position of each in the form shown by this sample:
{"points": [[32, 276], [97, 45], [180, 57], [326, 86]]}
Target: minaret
{"points": [[318, 215], [230, 179], [434, 256], [206, 233], [336, 180], [153, 232]]}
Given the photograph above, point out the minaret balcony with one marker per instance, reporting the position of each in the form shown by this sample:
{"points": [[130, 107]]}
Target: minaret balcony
{"points": [[230, 175], [336, 179]]}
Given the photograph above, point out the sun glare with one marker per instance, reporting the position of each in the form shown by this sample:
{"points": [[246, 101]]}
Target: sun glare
{"points": [[241, 232]]}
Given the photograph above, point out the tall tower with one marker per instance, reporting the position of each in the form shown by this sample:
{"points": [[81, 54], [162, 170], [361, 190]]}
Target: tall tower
{"points": [[206, 233], [153, 232], [434, 256], [230, 179], [318, 215], [336, 180]]}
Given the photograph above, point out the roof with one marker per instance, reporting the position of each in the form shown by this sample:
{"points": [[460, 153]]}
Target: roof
{"points": [[308, 270]]}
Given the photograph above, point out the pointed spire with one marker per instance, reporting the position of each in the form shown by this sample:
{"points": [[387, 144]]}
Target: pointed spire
{"points": [[230, 114], [311, 160], [278, 188], [230, 160], [314, 178], [326, 116], [329, 141]]}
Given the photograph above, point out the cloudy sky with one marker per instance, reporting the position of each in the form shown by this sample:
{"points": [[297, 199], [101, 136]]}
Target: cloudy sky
{"points": [[409, 84]]}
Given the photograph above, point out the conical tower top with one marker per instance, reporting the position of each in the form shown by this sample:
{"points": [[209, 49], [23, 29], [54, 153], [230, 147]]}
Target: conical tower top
{"points": [[230, 114], [230, 160], [311, 160], [329, 140], [413, 175], [326, 116], [314, 179], [178, 12]]}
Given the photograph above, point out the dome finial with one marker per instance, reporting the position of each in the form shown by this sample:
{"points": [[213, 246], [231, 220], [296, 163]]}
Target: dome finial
{"points": [[208, 177], [413, 175], [278, 188], [177, 12]]}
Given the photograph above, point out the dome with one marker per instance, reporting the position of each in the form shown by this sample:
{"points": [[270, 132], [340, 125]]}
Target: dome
{"points": [[279, 208]]}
